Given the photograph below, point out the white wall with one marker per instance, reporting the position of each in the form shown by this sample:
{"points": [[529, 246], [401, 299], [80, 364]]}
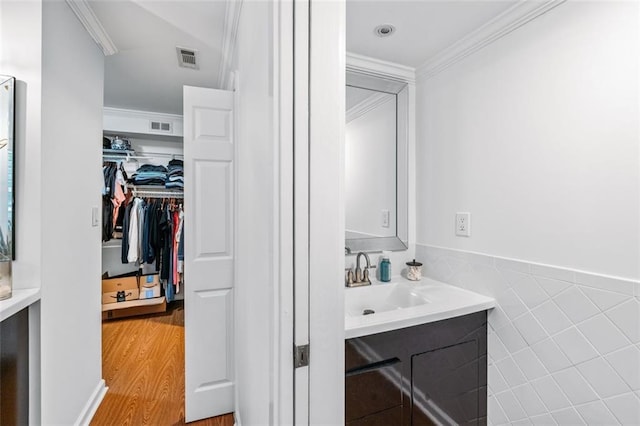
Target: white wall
{"points": [[72, 86], [21, 57], [254, 214], [370, 172], [537, 136]]}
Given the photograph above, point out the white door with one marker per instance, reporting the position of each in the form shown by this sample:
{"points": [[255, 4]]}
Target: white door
{"points": [[209, 253]]}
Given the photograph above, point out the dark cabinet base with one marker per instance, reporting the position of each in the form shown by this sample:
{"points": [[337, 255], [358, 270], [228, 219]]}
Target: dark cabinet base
{"points": [[14, 369], [428, 374]]}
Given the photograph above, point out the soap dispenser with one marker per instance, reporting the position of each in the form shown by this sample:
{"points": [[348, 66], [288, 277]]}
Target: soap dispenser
{"points": [[385, 267]]}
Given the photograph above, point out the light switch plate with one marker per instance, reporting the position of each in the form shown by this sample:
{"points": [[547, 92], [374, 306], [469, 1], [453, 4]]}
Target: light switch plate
{"points": [[95, 216], [463, 224], [385, 218]]}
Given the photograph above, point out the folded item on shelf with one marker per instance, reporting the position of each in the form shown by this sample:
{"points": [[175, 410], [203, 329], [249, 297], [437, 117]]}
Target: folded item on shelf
{"points": [[151, 168], [149, 174], [177, 184]]}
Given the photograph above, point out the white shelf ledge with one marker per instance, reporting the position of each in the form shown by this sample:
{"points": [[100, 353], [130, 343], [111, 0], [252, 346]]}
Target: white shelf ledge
{"points": [[21, 299]]}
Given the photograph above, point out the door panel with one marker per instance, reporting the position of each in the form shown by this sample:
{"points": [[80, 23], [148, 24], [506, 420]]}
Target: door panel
{"points": [[213, 201], [209, 253]]}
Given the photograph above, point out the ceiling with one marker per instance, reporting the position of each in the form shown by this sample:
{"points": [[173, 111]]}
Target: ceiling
{"points": [[423, 27], [144, 74]]}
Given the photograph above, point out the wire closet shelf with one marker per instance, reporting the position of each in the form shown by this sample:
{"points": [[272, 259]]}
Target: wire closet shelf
{"points": [[155, 191], [127, 155]]}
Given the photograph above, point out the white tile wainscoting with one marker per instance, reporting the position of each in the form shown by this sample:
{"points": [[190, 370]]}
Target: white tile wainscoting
{"points": [[564, 345]]}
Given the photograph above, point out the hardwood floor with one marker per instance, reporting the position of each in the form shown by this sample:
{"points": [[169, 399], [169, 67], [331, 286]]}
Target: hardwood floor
{"points": [[143, 365]]}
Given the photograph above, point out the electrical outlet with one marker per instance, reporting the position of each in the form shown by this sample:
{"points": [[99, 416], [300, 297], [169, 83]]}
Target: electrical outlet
{"points": [[385, 218], [463, 224]]}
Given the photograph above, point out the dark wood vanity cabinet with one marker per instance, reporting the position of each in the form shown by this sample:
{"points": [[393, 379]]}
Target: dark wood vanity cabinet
{"points": [[427, 374], [14, 369]]}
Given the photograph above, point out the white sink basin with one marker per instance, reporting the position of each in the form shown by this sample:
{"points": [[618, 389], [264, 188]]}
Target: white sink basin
{"points": [[404, 303], [382, 298]]}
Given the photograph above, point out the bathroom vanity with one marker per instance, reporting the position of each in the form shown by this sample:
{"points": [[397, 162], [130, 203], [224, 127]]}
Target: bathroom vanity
{"points": [[420, 359]]}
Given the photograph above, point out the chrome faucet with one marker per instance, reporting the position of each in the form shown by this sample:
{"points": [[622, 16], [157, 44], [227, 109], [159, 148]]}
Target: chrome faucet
{"points": [[362, 275]]}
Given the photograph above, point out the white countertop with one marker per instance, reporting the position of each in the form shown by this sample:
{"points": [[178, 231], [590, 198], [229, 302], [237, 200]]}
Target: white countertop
{"points": [[444, 301], [18, 301]]}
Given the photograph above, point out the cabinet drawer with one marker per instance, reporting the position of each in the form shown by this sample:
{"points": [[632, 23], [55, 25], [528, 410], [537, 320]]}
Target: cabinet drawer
{"points": [[373, 389]]}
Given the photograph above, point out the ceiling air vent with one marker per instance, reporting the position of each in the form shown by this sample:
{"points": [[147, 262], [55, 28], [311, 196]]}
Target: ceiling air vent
{"points": [[187, 58], [160, 126]]}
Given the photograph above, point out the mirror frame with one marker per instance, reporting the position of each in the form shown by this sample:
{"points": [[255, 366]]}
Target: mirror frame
{"points": [[11, 136], [400, 89]]}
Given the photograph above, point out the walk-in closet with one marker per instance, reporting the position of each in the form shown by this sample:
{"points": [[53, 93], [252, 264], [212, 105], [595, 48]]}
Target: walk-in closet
{"points": [[142, 226], [144, 215], [142, 274]]}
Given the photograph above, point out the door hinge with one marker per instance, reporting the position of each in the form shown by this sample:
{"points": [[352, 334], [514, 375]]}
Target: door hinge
{"points": [[300, 356]]}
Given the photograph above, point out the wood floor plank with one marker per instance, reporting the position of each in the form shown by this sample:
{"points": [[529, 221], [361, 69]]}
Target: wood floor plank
{"points": [[143, 365]]}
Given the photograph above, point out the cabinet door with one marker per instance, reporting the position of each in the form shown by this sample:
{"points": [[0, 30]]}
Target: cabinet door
{"points": [[390, 417], [446, 386], [373, 389]]}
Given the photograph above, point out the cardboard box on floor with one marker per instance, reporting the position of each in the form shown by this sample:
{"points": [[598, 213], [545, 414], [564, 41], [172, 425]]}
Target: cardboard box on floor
{"points": [[133, 308], [120, 289], [149, 286], [150, 280], [131, 295], [150, 292]]}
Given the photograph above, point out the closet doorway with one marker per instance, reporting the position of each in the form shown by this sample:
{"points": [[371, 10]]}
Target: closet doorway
{"points": [[143, 308], [152, 50]]}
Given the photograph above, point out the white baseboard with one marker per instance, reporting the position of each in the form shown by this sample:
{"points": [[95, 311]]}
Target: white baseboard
{"points": [[92, 404], [236, 418]]}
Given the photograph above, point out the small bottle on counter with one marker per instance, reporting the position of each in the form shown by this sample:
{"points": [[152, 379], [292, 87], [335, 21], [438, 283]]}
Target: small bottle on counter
{"points": [[385, 267]]}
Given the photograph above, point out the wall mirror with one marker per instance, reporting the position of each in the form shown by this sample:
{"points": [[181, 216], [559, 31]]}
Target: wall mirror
{"points": [[7, 123], [376, 173]]}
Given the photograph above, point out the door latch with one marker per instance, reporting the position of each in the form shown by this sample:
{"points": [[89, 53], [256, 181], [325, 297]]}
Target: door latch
{"points": [[300, 356]]}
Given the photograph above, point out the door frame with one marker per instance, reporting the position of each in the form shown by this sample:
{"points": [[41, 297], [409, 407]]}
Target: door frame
{"points": [[282, 386], [319, 126]]}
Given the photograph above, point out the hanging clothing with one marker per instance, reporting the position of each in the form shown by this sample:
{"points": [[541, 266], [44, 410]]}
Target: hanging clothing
{"points": [[119, 193], [174, 251], [107, 218], [165, 235], [153, 231], [124, 254], [132, 252]]}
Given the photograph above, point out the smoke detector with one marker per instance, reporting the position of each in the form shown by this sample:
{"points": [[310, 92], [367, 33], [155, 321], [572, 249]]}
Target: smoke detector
{"points": [[384, 30], [187, 58]]}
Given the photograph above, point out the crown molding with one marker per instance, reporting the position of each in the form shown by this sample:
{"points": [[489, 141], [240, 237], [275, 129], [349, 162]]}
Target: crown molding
{"points": [[379, 68], [92, 24], [231, 20], [366, 105], [508, 21]]}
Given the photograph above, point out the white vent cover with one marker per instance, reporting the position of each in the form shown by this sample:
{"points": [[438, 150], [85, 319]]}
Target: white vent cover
{"points": [[187, 58], [160, 126]]}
